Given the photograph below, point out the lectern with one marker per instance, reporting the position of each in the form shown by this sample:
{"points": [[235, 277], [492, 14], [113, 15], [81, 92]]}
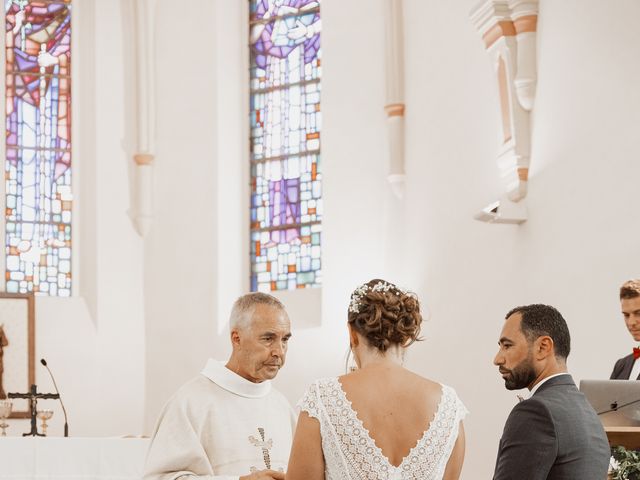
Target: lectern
{"points": [[627, 437]]}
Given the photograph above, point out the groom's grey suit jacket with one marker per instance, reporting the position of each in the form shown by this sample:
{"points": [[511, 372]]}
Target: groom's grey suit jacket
{"points": [[556, 435]]}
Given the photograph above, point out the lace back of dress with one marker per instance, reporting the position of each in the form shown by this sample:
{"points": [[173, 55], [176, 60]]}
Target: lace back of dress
{"points": [[351, 453]]}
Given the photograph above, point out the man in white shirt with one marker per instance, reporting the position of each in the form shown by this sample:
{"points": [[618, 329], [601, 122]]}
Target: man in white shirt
{"points": [[229, 423], [554, 434], [628, 368]]}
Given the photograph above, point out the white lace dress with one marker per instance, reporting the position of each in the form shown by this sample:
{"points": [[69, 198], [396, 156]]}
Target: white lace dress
{"points": [[351, 454]]}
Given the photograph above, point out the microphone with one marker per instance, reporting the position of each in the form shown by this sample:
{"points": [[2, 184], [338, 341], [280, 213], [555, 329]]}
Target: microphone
{"points": [[66, 425]]}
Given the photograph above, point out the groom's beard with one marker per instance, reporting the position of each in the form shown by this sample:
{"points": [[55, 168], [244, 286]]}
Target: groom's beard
{"points": [[521, 376]]}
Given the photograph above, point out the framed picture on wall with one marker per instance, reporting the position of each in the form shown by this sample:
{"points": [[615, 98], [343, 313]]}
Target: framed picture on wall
{"points": [[17, 349]]}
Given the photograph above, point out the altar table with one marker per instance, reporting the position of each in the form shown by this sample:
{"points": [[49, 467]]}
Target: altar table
{"points": [[78, 458]]}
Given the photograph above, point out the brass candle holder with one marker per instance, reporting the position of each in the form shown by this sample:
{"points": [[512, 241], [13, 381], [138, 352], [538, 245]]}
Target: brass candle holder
{"points": [[44, 415]]}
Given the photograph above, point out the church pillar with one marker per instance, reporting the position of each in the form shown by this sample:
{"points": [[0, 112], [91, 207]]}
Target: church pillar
{"points": [[508, 29], [394, 108], [142, 208]]}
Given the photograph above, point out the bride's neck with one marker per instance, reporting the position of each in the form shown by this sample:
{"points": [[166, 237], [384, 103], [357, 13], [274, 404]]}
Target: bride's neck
{"points": [[372, 357]]}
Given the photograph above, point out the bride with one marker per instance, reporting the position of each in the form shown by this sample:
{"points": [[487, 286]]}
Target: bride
{"points": [[382, 421]]}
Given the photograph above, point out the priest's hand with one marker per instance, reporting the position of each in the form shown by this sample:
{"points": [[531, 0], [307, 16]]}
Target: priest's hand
{"points": [[264, 475]]}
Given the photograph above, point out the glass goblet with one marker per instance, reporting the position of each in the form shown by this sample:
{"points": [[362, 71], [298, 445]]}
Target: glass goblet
{"points": [[5, 411], [44, 415]]}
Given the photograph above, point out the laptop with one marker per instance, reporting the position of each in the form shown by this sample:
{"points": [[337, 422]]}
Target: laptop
{"points": [[617, 402]]}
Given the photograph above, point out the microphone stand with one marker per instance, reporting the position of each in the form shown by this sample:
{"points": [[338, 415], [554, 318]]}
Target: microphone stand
{"points": [[66, 424]]}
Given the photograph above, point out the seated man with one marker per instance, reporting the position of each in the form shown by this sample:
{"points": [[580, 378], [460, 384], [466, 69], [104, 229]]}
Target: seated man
{"points": [[627, 368], [554, 433], [229, 423]]}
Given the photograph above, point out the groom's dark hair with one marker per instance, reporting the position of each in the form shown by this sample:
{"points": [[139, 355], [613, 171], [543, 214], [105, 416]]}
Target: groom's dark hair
{"points": [[540, 320]]}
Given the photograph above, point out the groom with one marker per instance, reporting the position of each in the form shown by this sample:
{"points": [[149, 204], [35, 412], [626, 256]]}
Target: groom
{"points": [[554, 433]]}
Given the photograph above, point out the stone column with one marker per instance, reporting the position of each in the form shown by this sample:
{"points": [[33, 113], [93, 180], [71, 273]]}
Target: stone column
{"points": [[142, 208], [394, 108]]}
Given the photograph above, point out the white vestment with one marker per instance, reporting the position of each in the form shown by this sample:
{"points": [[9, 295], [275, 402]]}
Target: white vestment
{"points": [[221, 426]]}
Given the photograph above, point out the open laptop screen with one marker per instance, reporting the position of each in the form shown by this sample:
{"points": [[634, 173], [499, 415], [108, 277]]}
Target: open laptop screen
{"points": [[617, 402]]}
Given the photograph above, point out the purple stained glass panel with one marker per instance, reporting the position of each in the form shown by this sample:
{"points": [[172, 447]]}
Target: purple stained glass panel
{"points": [[285, 121], [297, 25], [38, 175], [286, 192]]}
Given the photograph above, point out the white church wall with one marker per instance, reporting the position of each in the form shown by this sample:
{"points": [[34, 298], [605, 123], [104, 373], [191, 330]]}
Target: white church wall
{"points": [[120, 325], [231, 160], [180, 250]]}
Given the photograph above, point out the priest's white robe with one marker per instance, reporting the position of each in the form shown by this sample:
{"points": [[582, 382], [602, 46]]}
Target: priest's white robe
{"points": [[220, 426]]}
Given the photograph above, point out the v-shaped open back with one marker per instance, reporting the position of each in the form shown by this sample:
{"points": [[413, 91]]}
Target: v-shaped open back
{"points": [[352, 454], [372, 441]]}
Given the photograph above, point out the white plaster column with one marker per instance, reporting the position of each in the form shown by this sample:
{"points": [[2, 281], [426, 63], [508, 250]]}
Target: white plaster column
{"points": [[394, 108], [525, 20], [142, 209], [508, 29]]}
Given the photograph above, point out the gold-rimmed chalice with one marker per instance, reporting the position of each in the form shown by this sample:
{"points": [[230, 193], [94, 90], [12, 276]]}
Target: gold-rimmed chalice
{"points": [[5, 411], [44, 415]]}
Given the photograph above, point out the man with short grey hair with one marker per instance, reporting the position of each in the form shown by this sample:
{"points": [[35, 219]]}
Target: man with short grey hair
{"points": [[229, 423]]}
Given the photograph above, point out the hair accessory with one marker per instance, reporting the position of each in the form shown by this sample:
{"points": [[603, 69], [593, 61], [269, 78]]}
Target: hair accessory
{"points": [[361, 291]]}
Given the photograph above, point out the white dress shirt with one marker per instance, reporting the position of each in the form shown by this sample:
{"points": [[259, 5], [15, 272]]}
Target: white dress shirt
{"points": [[541, 382], [635, 371]]}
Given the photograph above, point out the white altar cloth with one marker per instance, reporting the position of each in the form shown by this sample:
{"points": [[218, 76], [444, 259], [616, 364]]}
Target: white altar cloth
{"points": [[57, 458]]}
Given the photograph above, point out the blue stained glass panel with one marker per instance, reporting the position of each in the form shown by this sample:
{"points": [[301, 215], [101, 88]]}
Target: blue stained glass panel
{"points": [[39, 197], [285, 124]]}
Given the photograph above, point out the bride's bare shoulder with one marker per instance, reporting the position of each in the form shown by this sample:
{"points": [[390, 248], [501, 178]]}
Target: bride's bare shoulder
{"points": [[425, 382], [390, 378]]}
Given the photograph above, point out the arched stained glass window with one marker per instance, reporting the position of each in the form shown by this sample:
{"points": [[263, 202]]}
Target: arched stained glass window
{"points": [[286, 190], [38, 146]]}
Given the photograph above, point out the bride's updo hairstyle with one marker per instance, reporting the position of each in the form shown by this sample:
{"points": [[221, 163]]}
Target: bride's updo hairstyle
{"points": [[385, 315]]}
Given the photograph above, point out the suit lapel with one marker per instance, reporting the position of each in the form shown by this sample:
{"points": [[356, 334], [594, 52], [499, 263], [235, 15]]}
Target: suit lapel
{"points": [[626, 368]]}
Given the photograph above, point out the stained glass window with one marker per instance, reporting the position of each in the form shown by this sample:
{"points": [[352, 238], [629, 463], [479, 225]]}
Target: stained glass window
{"points": [[38, 146], [286, 179]]}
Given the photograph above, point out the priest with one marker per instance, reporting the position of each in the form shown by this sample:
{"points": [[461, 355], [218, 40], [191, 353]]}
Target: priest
{"points": [[229, 423]]}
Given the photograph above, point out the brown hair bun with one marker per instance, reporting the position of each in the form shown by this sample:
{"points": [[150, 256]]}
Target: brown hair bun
{"points": [[385, 314]]}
